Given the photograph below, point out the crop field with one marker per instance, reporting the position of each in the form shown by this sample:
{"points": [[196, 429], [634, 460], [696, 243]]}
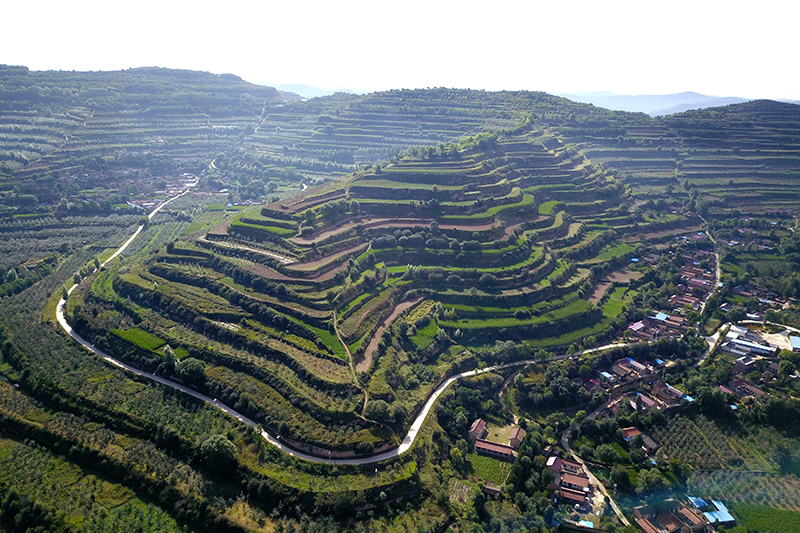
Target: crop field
{"points": [[764, 518], [142, 339], [702, 443], [94, 502], [616, 301], [675, 154], [748, 488], [488, 468]]}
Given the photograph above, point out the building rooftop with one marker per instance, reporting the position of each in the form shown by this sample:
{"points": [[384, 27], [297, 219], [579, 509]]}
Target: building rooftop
{"points": [[478, 427], [493, 447], [629, 433], [721, 515], [572, 479], [573, 495], [795, 341]]}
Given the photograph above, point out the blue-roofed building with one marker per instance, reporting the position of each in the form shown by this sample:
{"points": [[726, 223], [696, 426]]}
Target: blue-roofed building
{"points": [[721, 515], [753, 347], [697, 502], [795, 343], [661, 317]]}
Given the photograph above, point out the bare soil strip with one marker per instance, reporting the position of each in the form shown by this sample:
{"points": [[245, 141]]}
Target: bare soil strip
{"points": [[599, 290], [324, 261], [624, 275], [364, 364], [663, 233], [221, 228]]}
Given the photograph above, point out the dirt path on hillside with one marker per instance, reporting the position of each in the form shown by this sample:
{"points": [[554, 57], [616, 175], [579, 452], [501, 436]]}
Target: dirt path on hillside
{"points": [[232, 246], [312, 265], [364, 364], [662, 233]]}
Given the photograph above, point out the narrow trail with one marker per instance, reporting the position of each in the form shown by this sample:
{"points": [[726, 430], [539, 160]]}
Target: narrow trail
{"points": [[364, 364], [352, 361], [233, 246], [61, 146]]}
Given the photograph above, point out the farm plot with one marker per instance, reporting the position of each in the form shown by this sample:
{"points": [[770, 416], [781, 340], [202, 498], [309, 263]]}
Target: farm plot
{"points": [[488, 468]]}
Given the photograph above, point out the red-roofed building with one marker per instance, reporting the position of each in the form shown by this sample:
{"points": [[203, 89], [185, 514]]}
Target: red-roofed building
{"points": [[572, 495], [574, 482], [692, 518], [629, 433], [571, 466], [669, 522], [493, 449], [646, 526]]}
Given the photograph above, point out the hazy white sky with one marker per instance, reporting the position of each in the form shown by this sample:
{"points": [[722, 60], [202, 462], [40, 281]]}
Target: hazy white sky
{"points": [[721, 48]]}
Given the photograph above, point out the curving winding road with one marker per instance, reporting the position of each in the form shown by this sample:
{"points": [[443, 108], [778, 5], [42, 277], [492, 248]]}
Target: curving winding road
{"points": [[408, 440]]}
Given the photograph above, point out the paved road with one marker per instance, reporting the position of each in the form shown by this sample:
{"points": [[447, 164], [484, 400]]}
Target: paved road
{"points": [[408, 441], [594, 481]]}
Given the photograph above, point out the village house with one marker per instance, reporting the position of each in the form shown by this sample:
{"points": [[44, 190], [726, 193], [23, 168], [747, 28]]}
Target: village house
{"points": [[478, 429], [622, 373], [669, 394], [671, 516], [629, 433], [746, 344], [742, 387], [574, 482], [648, 444], [517, 435], [494, 449], [745, 364], [570, 483], [643, 330], [795, 342]]}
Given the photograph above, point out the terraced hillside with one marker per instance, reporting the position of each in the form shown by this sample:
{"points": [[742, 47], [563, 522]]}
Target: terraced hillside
{"points": [[454, 229], [330, 317], [91, 142], [94, 141], [344, 129], [743, 157]]}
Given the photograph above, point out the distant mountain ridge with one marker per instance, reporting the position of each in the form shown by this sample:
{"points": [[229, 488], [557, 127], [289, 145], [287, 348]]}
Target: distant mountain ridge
{"points": [[654, 105]]}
